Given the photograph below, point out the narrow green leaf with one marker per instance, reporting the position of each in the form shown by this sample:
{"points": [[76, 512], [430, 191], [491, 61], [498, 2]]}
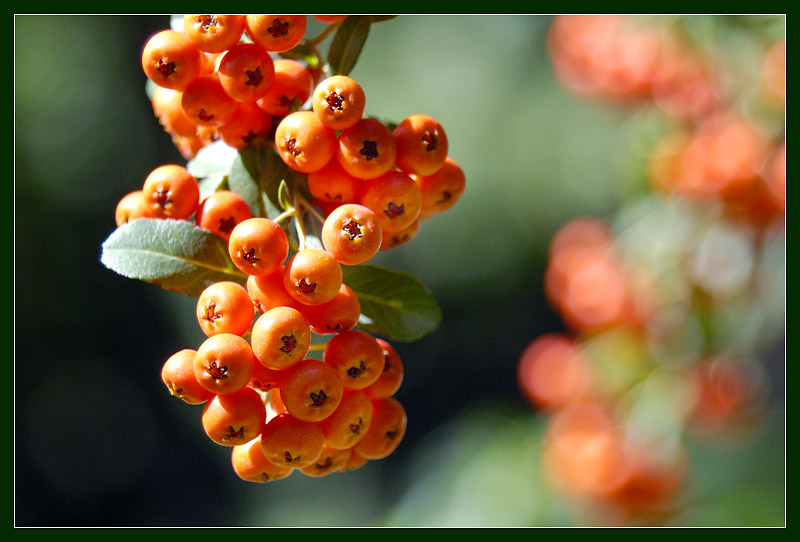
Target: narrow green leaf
{"points": [[257, 173], [175, 254], [347, 43], [243, 178], [394, 304], [284, 198]]}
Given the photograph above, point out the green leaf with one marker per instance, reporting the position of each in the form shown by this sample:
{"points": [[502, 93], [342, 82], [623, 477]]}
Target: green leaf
{"points": [[255, 175], [175, 254], [347, 43], [213, 160], [394, 304], [303, 52], [284, 198], [210, 167]]}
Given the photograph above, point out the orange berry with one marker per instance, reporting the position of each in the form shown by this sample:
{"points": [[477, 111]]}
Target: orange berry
{"points": [[352, 233], [225, 307], [338, 101], [177, 373], [303, 142], [367, 149], [171, 60], [392, 375], [258, 246], [442, 189], [290, 89], [280, 338], [275, 402], [249, 124], [395, 239], [224, 363], [330, 19], [246, 72], [357, 357], [267, 291], [349, 423], [250, 463], [264, 380], [171, 192], [289, 442], [332, 184], [337, 315], [221, 211], [234, 418], [167, 108], [311, 390], [356, 461], [329, 461], [552, 372], [394, 198], [388, 427], [276, 33], [214, 33], [206, 103], [312, 276], [422, 145], [132, 206]]}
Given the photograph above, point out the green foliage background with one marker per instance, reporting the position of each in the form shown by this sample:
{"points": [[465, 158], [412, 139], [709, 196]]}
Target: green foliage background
{"points": [[99, 442]]}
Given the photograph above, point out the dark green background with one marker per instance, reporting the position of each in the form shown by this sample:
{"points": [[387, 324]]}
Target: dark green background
{"points": [[98, 441]]}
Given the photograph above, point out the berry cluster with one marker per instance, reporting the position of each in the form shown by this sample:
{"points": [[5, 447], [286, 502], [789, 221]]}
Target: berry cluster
{"points": [[286, 378], [217, 80], [646, 296], [278, 408]]}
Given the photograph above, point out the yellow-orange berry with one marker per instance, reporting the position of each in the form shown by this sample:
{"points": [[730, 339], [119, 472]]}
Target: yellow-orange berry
{"points": [[289, 442], [224, 363], [171, 60], [303, 142], [440, 190], [388, 427], [171, 192], [367, 149], [394, 198], [258, 246], [221, 211], [225, 307], [214, 33], [352, 233], [234, 418], [312, 276], [130, 207], [276, 33], [422, 145], [250, 463], [280, 338], [177, 373], [339, 101]]}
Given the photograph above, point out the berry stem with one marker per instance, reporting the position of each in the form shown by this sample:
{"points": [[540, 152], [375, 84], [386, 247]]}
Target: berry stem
{"points": [[288, 213], [313, 42]]}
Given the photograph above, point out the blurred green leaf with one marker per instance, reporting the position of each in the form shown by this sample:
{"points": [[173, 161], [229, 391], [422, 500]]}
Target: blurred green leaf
{"points": [[175, 254], [393, 304], [347, 43], [302, 52], [213, 160]]}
